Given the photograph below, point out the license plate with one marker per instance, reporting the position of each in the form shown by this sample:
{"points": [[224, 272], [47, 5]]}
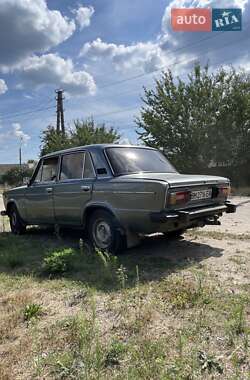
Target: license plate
{"points": [[201, 194]]}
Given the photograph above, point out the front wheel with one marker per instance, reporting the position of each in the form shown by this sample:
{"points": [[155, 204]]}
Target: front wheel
{"points": [[105, 233], [16, 224]]}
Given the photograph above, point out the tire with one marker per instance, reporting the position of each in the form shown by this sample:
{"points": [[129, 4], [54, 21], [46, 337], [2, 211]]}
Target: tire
{"points": [[105, 233], [16, 224], [174, 234]]}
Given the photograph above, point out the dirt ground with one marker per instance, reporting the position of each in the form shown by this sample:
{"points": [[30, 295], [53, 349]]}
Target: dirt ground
{"points": [[225, 249], [214, 259], [238, 223]]}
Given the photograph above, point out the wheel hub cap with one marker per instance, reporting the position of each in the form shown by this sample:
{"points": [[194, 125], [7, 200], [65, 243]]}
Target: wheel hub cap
{"points": [[102, 234]]}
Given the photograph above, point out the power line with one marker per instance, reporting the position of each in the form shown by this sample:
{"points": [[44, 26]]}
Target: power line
{"points": [[117, 111], [162, 68], [214, 35], [16, 115], [45, 103], [127, 109], [25, 113]]}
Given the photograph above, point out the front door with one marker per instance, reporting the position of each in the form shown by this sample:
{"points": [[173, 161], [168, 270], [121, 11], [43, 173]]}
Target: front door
{"points": [[73, 188], [39, 195]]}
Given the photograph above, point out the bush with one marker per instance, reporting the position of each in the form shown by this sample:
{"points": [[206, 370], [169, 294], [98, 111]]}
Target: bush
{"points": [[15, 176], [59, 262]]}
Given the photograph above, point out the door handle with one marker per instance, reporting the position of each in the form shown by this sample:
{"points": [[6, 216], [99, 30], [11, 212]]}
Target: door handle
{"points": [[85, 188], [49, 189]]}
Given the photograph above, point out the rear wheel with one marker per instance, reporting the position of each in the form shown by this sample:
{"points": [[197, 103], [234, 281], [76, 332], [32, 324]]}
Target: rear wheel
{"points": [[105, 233], [16, 224]]}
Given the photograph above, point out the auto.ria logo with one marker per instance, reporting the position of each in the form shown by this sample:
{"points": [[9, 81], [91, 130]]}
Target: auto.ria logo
{"points": [[226, 19], [206, 19]]}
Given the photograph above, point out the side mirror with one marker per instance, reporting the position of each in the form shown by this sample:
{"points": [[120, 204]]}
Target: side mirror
{"points": [[101, 171], [26, 181]]}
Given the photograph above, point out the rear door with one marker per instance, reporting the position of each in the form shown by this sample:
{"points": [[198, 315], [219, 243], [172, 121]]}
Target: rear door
{"points": [[39, 195], [74, 187]]}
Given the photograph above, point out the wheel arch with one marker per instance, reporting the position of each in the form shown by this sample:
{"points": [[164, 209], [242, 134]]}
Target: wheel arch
{"points": [[10, 203], [88, 211]]}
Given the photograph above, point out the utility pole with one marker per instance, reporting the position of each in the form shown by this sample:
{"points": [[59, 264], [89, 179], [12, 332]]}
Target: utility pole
{"points": [[60, 112], [20, 152]]}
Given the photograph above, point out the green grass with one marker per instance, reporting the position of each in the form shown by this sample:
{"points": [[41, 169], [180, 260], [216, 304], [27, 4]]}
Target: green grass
{"points": [[96, 316]]}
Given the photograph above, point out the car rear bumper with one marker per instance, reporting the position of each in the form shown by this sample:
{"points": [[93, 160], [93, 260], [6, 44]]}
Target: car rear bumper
{"points": [[187, 216]]}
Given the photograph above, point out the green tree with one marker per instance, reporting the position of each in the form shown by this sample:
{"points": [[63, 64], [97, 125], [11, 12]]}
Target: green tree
{"points": [[84, 132], [200, 122], [53, 141], [15, 176]]}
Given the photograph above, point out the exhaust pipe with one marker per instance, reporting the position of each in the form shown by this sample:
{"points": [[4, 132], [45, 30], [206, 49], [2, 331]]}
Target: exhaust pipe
{"points": [[214, 221]]}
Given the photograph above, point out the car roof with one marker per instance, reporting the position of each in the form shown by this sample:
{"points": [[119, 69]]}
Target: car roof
{"points": [[93, 147]]}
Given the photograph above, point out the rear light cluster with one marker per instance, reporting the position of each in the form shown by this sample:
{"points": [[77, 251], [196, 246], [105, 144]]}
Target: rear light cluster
{"points": [[179, 197], [182, 197], [225, 191], [221, 191]]}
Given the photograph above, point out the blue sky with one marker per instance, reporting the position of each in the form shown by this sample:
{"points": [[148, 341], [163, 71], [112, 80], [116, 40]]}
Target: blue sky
{"points": [[87, 48]]}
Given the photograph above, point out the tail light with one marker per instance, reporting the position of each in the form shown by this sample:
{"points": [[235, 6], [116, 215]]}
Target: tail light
{"points": [[179, 197], [225, 191], [221, 191]]}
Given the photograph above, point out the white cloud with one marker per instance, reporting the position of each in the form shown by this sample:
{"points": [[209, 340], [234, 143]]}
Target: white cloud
{"points": [[177, 51], [18, 132], [28, 27], [3, 87], [83, 16], [15, 132], [51, 69], [149, 56]]}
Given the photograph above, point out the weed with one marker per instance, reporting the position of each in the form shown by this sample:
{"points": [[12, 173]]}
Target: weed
{"points": [[236, 324], [32, 311], [59, 262], [122, 277], [209, 362], [115, 354], [108, 265], [183, 292]]}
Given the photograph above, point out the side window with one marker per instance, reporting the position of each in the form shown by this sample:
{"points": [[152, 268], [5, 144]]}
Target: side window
{"points": [[89, 171], [49, 170], [72, 166]]}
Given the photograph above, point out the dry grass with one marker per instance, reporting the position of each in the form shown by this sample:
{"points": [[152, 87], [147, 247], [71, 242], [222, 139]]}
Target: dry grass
{"points": [[218, 235], [65, 314]]}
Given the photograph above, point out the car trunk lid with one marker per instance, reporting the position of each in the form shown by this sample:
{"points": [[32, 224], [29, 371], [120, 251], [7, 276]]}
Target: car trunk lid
{"points": [[179, 180]]}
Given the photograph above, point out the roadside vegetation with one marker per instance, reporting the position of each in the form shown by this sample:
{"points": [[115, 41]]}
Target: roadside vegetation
{"points": [[68, 314], [201, 122]]}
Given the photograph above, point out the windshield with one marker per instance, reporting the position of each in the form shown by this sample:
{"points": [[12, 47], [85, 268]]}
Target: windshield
{"points": [[125, 160]]}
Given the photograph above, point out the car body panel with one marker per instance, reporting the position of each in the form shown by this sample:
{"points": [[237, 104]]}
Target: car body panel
{"points": [[132, 198], [40, 204], [70, 198]]}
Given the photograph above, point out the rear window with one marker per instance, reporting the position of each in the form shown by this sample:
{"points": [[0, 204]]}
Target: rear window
{"points": [[125, 160]]}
